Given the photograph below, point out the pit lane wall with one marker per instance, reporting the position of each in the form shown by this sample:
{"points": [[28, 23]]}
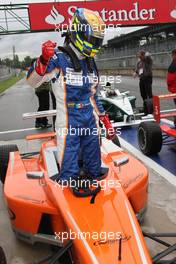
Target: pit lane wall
{"points": [[112, 64]]}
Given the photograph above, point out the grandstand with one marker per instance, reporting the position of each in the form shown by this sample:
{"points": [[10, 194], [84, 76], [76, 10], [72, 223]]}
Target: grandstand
{"points": [[120, 53]]}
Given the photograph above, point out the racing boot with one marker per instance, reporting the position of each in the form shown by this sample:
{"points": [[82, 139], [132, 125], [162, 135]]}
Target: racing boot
{"points": [[38, 125]]}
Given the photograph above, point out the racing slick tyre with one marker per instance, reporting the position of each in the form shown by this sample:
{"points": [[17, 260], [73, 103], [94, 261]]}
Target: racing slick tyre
{"points": [[2, 256], [150, 138], [148, 106], [4, 159]]}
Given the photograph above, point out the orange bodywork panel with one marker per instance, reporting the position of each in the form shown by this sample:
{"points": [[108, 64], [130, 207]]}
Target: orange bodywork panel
{"points": [[133, 178], [26, 198], [41, 136]]}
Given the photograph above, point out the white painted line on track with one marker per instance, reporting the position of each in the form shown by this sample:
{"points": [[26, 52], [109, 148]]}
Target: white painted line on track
{"points": [[18, 130], [149, 162]]}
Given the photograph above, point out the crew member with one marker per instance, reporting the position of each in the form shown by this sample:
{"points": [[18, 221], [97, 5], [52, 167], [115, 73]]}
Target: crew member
{"points": [[171, 77], [43, 94], [109, 90], [144, 72], [74, 77]]}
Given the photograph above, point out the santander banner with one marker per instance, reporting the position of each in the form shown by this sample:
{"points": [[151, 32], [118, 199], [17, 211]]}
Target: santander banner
{"points": [[47, 16]]}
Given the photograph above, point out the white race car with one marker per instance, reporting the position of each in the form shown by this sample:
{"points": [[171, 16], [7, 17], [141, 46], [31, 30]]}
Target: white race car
{"points": [[121, 107]]}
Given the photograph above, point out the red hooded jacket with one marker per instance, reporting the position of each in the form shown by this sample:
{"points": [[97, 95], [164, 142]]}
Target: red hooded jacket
{"points": [[171, 77]]}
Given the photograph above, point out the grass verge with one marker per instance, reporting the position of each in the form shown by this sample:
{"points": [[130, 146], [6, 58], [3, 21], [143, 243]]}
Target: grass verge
{"points": [[4, 85]]}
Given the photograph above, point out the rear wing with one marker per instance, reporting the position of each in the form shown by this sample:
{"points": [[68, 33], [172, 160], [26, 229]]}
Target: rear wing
{"points": [[158, 114]]}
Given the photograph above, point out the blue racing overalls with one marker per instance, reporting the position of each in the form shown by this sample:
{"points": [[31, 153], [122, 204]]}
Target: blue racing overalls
{"points": [[76, 123]]}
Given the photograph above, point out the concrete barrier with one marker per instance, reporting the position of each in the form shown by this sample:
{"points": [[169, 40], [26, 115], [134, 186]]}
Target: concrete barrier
{"points": [[125, 65]]}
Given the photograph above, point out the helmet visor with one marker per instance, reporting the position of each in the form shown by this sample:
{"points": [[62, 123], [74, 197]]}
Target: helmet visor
{"points": [[92, 40], [96, 42]]}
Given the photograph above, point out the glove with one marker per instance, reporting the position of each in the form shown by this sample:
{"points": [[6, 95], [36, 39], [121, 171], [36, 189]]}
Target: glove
{"points": [[47, 53], [110, 130], [48, 50]]}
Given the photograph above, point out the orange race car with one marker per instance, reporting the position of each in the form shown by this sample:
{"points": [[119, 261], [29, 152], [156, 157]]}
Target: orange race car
{"points": [[90, 223], [86, 221]]}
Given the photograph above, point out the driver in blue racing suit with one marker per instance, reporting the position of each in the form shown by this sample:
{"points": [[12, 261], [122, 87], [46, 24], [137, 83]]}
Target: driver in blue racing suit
{"points": [[74, 76]]}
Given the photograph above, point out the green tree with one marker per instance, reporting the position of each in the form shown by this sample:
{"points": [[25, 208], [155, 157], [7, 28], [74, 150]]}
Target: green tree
{"points": [[8, 62], [26, 62], [16, 62]]}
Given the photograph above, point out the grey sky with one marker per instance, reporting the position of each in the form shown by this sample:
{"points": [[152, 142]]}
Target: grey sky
{"points": [[30, 44]]}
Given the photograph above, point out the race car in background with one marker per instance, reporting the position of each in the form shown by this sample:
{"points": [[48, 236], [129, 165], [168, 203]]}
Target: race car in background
{"points": [[120, 106], [122, 110]]}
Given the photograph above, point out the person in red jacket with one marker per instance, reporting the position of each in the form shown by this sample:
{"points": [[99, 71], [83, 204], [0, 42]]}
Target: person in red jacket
{"points": [[171, 77]]}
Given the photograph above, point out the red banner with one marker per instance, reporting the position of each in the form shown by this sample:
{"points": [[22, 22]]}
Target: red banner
{"points": [[48, 16]]}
